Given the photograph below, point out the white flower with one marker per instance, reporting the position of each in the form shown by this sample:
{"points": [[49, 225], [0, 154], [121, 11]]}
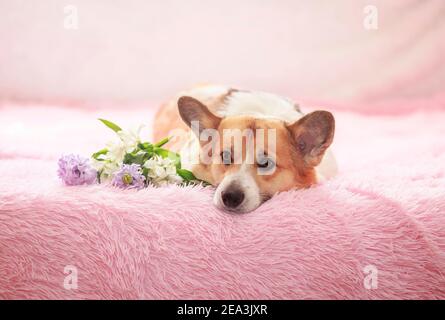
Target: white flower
{"points": [[116, 151], [128, 141], [161, 171], [113, 159], [130, 138], [105, 167]]}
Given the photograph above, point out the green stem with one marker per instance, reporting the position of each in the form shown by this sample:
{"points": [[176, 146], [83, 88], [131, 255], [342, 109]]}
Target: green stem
{"points": [[162, 142]]}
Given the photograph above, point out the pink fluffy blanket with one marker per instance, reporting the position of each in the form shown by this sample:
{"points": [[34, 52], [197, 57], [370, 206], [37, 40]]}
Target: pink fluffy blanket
{"points": [[376, 231]]}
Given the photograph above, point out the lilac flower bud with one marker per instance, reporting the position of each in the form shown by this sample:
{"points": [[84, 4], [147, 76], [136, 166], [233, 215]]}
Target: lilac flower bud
{"points": [[76, 170]]}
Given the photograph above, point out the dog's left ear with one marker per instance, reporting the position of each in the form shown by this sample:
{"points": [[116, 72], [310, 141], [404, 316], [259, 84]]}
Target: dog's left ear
{"points": [[312, 135], [191, 109]]}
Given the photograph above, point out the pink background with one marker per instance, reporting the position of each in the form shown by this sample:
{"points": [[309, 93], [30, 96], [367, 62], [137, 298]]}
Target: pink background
{"points": [[385, 208], [137, 51]]}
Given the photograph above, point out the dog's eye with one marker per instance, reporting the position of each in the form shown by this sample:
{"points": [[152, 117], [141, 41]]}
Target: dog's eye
{"points": [[226, 157], [265, 163]]}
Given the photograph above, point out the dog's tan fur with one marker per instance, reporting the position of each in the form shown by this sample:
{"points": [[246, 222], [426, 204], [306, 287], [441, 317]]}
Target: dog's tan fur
{"points": [[290, 169], [295, 165]]}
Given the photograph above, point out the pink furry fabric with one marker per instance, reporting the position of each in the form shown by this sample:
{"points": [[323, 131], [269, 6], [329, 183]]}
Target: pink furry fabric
{"points": [[386, 209]]}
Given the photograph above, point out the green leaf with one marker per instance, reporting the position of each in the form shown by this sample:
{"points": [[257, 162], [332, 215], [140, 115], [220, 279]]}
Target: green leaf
{"points": [[164, 153], [111, 125], [145, 173], [146, 146], [189, 178], [204, 183], [186, 174], [128, 158], [138, 157], [99, 153]]}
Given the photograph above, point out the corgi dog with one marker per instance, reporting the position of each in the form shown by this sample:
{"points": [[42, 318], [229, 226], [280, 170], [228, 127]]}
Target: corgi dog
{"points": [[249, 145]]}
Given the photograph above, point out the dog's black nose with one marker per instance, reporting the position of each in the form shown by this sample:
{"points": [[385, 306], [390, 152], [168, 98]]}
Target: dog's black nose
{"points": [[232, 198]]}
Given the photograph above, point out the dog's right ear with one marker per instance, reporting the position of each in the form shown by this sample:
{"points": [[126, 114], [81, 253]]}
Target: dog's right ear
{"points": [[191, 110], [313, 134]]}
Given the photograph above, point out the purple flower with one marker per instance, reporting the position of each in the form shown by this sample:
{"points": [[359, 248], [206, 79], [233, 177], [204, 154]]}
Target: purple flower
{"points": [[76, 170], [129, 176]]}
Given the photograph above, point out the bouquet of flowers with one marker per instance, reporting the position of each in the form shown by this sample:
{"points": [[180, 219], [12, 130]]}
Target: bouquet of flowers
{"points": [[126, 162]]}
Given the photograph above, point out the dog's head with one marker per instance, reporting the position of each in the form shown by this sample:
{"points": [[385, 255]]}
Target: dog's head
{"points": [[250, 159]]}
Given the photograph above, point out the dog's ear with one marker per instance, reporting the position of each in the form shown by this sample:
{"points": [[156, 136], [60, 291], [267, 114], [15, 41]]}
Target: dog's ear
{"points": [[191, 109], [312, 135]]}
